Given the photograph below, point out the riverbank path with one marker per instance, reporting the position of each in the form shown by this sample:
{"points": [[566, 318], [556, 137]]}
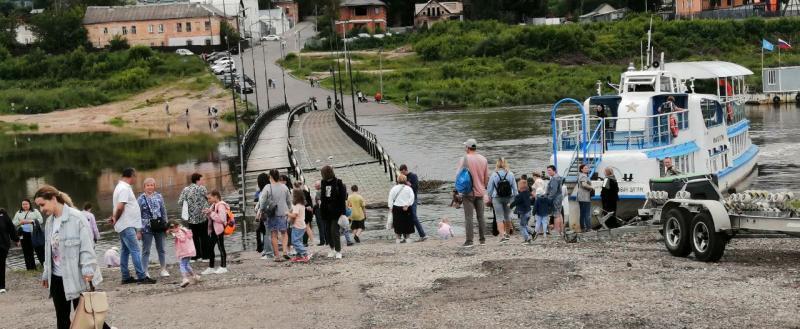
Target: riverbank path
{"points": [[316, 136]]}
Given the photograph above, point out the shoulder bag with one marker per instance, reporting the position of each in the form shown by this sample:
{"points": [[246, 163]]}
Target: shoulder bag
{"points": [[272, 206], [37, 234], [91, 311], [157, 224]]}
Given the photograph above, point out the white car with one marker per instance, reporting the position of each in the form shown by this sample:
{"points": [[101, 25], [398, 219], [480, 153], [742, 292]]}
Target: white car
{"points": [[364, 35], [221, 61], [271, 37], [221, 66], [224, 69], [184, 52]]}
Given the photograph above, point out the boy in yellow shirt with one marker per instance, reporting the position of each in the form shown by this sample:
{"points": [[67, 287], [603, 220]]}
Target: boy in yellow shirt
{"points": [[358, 214]]}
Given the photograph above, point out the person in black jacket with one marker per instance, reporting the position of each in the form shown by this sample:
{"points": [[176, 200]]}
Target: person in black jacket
{"points": [[7, 234], [609, 195], [333, 204]]}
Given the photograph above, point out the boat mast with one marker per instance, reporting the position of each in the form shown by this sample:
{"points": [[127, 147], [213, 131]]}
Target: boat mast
{"points": [[649, 37]]}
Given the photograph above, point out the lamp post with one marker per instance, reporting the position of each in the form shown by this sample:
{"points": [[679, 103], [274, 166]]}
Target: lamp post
{"points": [[253, 58], [283, 72]]}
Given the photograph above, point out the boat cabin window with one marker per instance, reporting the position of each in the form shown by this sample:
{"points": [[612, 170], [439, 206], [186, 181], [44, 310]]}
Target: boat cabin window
{"points": [[666, 84], [640, 84], [712, 112]]}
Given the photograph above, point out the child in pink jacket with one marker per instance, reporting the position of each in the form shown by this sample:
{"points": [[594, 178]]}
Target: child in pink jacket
{"points": [[217, 218], [184, 250]]}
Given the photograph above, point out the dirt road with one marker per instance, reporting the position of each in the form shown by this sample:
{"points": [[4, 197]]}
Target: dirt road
{"points": [[626, 283]]}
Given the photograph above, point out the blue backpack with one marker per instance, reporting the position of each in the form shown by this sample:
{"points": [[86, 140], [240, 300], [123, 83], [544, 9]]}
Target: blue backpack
{"points": [[464, 179]]}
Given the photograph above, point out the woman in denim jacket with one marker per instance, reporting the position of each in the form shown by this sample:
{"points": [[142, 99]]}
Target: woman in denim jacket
{"points": [[70, 262]]}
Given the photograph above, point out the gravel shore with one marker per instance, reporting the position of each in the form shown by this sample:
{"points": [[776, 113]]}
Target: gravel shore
{"points": [[626, 282]]}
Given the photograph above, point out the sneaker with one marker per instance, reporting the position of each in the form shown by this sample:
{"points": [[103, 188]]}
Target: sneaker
{"points": [[358, 240], [504, 239], [403, 241], [164, 273], [320, 244], [265, 257], [128, 281], [525, 242], [350, 244], [293, 253], [422, 238], [184, 283], [278, 260], [192, 261], [286, 257], [482, 242], [331, 254], [529, 242], [147, 280], [222, 270], [468, 244], [338, 255], [2, 291], [208, 271]]}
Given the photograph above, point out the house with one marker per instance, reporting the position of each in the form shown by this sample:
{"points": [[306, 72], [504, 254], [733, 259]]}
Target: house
{"points": [[434, 11], [161, 25], [726, 8], [25, 35], [274, 21], [545, 21], [290, 9], [361, 15], [603, 13], [231, 8]]}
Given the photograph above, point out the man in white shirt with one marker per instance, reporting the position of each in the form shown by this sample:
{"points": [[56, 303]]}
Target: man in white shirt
{"points": [[127, 221]]}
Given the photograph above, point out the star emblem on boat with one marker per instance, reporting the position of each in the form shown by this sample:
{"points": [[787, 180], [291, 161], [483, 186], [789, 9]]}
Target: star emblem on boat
{"points": [[632, 107]]}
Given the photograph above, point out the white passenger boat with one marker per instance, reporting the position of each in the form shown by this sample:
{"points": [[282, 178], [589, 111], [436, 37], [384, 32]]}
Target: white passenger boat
{"points": [[707, 133]]}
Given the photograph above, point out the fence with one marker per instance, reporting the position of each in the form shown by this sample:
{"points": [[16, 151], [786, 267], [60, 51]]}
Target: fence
{"points": [[252, 133], [369, 142], [297, 171]]}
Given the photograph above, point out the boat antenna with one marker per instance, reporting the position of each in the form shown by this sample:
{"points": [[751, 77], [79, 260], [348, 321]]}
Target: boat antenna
{"points": [[649, 37]]}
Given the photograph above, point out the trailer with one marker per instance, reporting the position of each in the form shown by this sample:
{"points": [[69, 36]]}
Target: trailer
{"points": [[781, 84], [696, 218]]}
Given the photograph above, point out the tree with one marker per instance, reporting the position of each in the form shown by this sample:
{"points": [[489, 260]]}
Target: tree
{"points": [[118, 43], [230, 33], [8, 32], [60, 31]]}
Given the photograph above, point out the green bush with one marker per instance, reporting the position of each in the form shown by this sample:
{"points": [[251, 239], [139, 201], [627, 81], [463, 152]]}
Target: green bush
{"points": [[118, 43]]}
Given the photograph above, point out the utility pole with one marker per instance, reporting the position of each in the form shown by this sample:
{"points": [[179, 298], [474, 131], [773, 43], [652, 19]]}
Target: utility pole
{"points": [[266, 77], [352, 89], [283, 72], [380, 69]]}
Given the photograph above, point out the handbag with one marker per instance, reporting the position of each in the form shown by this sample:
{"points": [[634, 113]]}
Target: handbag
{"points": [[343, 222], [185, 211], [272, 207], [157, 224], [91, 311]]}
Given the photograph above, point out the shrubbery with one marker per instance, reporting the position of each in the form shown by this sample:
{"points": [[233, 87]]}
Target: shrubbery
{"points": [[43, 83]]}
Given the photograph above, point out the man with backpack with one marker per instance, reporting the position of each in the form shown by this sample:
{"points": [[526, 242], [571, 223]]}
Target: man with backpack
{"points": [[471, 179], [502, 189]]}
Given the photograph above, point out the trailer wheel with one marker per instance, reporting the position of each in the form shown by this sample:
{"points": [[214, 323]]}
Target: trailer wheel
{"points": [[797, 98], [676, 233], [708, 245], [776, 100]]}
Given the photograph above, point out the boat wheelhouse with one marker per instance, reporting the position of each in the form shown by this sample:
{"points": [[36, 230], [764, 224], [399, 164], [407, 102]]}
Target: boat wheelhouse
{"points": [[703, 131]]}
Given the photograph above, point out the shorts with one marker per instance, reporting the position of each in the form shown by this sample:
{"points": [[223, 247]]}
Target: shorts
{"points": [[357, 224], [277, 223], [556, 208]]}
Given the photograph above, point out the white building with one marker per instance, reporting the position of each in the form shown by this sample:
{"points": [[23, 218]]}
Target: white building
{"points": [[25, 35], [231, 8], [274, 21]]}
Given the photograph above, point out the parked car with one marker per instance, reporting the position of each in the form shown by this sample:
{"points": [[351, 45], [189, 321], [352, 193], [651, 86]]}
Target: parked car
{"points": [[222, 64], [184, 52], [224, 69], [224, 60], [245, 88], [216, 55], [271, 37], [249, 80]]}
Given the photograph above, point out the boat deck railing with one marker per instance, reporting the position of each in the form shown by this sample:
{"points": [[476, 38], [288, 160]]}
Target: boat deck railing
{"points": [[616, 133]]}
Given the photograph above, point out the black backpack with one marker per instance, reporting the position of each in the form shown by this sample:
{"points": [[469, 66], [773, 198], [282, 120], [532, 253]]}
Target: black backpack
{"points": [[503, 187]]}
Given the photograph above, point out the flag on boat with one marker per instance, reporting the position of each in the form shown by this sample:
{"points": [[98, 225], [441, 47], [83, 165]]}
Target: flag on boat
{"points": [[767, 45], [783, 44]]}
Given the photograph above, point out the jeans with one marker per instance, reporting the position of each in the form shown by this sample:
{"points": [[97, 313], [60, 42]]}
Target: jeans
{"points": [[523, 225], [297, 241], [541, 224], [417, 224], [130, 248], [223, 256], [186, 266], [147, 244], [474, 204], [200, 239], [62, 305], [346, 231], [267, 250], [502, 208], [3, 255], [586, 215]]}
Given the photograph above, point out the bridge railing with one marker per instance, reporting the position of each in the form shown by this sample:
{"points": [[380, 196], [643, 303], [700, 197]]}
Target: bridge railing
{"points": [[295, 169], [251, 135], [369, 142]]}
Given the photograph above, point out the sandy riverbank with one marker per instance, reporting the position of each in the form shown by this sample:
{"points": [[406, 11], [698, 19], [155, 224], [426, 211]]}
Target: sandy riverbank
{"points": [[627, 283], [143, 113]]}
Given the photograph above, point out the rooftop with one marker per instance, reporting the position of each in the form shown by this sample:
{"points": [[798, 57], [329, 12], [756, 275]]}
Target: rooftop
{"points": [[356, 3], [105, 14]]}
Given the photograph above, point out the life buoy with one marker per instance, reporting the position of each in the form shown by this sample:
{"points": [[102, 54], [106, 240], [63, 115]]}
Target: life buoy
{"points": [[673, 125]]}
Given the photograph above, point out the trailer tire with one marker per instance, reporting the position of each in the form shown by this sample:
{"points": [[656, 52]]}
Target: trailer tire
{"points": [[676, 233], [707, 244], [776, 100], [797, 98]]}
